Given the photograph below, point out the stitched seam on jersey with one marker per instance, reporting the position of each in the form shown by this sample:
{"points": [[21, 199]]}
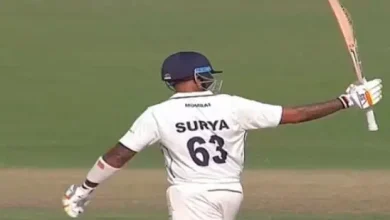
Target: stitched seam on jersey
{"points": [[245, 143], [171, 162], [244, 150], [155, 121], [235, 118], [228, 190]]}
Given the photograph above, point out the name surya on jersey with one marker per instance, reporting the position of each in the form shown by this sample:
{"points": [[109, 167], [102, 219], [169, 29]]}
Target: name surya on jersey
{"points": [[216, 125], [204, 163]]}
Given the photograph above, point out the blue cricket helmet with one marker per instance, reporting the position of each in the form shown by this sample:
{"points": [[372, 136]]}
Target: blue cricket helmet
{"points": [[185, 65]]}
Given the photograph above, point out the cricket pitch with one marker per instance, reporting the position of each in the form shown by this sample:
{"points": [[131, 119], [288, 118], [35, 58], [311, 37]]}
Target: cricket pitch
{"points": [[311, 191]]}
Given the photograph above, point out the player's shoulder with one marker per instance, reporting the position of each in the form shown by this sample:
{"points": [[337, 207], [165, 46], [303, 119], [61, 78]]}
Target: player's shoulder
{"points": [[224, 96], [153, 108], [231, 97]]}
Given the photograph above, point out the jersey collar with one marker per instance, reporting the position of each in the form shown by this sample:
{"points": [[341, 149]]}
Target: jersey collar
{"points": [[180, 95]]}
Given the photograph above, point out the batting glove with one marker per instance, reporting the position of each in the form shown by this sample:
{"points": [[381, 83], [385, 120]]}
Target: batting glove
{"points": [[363, 96], [75, 200]]}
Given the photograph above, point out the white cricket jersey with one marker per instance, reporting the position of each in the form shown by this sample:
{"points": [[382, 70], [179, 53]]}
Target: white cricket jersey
{"points": [[202, 135]]}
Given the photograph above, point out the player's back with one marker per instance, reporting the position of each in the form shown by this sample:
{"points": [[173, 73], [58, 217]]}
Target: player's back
{"points": [[203, 135], [201, 140]]}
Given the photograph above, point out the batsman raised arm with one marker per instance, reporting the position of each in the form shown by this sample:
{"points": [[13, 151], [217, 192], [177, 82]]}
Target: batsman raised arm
{"points": [[202, 133]]}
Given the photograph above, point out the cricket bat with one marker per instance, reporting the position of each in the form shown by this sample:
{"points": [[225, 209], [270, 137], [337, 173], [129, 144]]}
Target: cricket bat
{"points": [[345, 23]]}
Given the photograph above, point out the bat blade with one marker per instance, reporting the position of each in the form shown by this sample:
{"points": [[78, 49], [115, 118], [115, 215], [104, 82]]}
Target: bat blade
{"points": [[346, 26]]}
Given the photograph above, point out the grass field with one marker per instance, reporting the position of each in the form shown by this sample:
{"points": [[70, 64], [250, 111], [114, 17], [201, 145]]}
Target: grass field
{"points": [[75, 74]]}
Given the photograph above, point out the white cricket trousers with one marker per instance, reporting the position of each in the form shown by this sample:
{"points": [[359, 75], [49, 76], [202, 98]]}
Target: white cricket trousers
{"points": [[204, 201]]}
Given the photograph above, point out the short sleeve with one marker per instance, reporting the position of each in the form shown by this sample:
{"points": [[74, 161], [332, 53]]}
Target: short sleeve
{"points": [[256, 115], [143, 132]]}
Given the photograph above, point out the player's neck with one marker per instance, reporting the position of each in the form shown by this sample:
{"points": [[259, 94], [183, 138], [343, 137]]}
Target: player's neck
{"points": [[187, 87]]}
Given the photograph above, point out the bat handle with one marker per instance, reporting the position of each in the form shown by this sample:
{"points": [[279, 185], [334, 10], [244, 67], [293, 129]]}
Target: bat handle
{"points": [[372, 125]]}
